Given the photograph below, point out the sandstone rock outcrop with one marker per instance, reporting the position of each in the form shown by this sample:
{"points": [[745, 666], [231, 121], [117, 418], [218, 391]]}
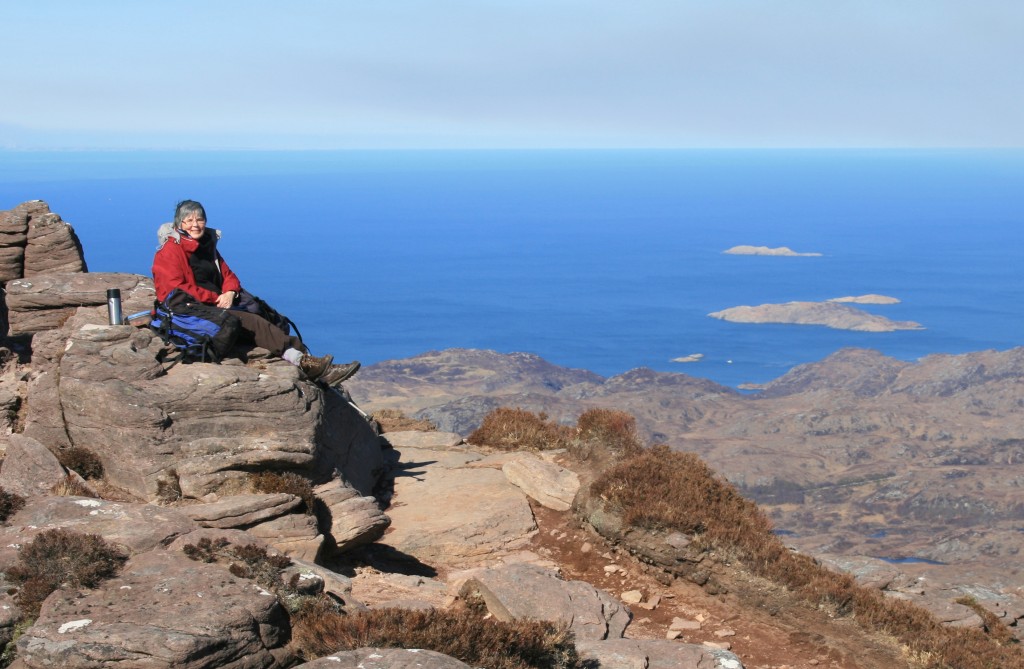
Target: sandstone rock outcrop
{"points": [[36, 242]]}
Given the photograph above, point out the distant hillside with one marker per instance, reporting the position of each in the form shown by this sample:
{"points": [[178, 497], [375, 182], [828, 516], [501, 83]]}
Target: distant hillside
{"points": [[859, 454]]}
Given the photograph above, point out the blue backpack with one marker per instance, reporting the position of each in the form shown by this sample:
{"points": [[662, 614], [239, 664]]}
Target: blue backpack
{"points": [[198, 331]]}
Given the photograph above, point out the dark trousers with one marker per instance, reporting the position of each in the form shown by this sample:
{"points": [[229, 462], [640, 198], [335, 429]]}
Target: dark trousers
{"points": [[259, 331]]}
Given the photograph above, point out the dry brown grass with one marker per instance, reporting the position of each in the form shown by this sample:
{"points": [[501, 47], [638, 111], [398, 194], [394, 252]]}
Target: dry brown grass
{"points": [[395, 420], [319, 630], [514, 429], [663, 489], [71, 486]]}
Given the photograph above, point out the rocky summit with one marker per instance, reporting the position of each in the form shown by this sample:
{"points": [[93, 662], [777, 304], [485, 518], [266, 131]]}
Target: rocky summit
{"points": [[190, 515]]}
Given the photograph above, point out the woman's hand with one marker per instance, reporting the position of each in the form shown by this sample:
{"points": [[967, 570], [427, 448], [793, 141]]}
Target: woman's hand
{"points": [[226, 299]]}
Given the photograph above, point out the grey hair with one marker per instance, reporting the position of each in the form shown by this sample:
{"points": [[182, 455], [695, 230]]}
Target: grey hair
{"points": [[185, 209]]}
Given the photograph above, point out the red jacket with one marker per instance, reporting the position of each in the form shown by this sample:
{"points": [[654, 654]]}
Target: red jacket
{"points": [[171, 270]]}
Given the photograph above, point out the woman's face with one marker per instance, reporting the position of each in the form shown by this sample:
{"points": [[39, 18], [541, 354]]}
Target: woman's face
{"points": [[194, 225]]}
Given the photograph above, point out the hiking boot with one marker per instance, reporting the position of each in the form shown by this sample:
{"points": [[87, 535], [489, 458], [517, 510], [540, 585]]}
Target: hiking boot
{"points": [[314, 368], [338, 373]]}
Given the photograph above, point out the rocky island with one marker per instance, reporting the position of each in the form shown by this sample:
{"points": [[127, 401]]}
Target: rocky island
{"points": [[745, 250], [830, 314]]}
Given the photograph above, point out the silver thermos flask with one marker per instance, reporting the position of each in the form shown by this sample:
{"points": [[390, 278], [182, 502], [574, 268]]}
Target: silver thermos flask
{"points": [[114, 306]]}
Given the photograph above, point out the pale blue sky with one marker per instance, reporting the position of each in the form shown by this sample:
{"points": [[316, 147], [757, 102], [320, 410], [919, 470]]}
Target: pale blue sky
{"points": [[479, 74]]}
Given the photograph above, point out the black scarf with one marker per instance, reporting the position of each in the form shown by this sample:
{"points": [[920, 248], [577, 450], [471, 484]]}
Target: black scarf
{"points": [[204, 264]]}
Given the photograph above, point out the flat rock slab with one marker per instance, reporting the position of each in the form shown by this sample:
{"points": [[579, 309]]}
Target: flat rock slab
{"points": [[137, 527], [523, 591], [164, 610], [419, 439], [550, 485], [241, 511], [655, 654], [444, 513], [43, 301], [385, 658]]}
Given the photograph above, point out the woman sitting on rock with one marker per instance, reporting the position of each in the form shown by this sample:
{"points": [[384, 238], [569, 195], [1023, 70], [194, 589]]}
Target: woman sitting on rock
{"points": [[188, 261]]}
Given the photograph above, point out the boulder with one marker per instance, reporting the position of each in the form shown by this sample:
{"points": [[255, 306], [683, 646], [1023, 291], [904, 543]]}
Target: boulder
{"points": [[550, 485], [354, 519], [296, 535], [163, 610], [29, 468], [385, 658], [669, 550], [334, 584], [524, 591], [654, 654], [44, 301]]}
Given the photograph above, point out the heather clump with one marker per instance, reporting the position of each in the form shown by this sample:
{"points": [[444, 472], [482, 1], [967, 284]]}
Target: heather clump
{"points": [[463, 634], [59, 557], [287, 482], [256, 563], [82, 461], [606, 431], [246, 561], [663, 489], [514, 429]]}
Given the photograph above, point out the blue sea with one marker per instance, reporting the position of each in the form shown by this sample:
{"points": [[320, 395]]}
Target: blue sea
{"points": [[603, 260]]}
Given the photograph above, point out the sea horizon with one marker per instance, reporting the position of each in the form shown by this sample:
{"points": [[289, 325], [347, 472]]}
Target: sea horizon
{"points": [[605, 259]]}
